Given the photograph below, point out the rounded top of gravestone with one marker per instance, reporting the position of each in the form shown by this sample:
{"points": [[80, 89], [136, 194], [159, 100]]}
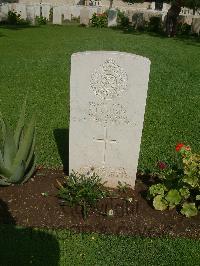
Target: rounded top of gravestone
{"points": [[110, 53]]}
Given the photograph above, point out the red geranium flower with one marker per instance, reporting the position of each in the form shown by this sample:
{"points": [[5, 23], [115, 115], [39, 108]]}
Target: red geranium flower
{"points": [[187, 148], [179, 146], [161, 165]]}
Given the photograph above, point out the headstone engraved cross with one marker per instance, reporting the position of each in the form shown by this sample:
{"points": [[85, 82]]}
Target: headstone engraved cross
{"points": [[108, 93], [106, 141]]}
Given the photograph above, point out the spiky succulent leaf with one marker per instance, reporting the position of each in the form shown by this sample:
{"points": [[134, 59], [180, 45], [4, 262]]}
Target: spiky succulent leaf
{"points": [[173, 197], [189, 209], [4, 171], [1, 158], [25, 145], [20, 125], [10, 148], [4, 182], [3, 129], [160, 203], [18, 175], [30, 172], [31, 153]]}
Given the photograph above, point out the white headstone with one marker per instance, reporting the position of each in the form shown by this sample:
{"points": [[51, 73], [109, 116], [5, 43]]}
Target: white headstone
{"points": [[93, 10], [84, 16], [21, 9], [75, 10], [4, 11], [166, 7], [57, 15], [38, 10], [30, 10], [107, 104], [196, 25], [46, 11], [112, 17], [67, 13], [153, 5], [188, 20]]}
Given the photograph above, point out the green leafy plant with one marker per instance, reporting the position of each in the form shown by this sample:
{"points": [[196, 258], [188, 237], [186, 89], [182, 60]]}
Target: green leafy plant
{"points": [[155, 24], [15, 19], [82, 190], [99, 20], [183, 29], [17, 156], [123, 186], [178, 186], [123, 20], [40, 20], [189, 209]]}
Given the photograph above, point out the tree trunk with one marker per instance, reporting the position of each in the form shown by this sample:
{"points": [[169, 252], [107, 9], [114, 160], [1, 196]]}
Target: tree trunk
{"points": [[111, 3], [172, 18]]}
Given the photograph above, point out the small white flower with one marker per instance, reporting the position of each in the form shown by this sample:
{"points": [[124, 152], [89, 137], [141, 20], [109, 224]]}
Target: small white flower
{"points": [[110, 212]]}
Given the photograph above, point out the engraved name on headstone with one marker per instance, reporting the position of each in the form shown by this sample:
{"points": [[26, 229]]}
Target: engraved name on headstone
{"points": [[107, 105]]}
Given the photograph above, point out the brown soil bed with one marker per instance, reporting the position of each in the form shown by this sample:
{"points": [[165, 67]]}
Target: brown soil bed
{"points": [[26, 205]]}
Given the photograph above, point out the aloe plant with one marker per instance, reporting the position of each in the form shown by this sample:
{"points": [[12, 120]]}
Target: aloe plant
{"points": [[17, 151]]}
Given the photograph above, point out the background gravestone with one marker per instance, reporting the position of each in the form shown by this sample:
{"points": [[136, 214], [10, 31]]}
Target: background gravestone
{"points": [[107, 104], [57, 15], [46, 11], [67, 13], [30, 14], [84, 16], [94, 10], [112, 17], [4, 11], [37, 10], [75, 10], [21, 9], [196, 25]]}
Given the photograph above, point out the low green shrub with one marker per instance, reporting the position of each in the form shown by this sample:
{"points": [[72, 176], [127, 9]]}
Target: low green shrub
{"points": [[183, 29], [122, 20], [178, 186], [15, 19], [81, 190], [17, 151], [99, 20], [155, 24], [40, 20]]}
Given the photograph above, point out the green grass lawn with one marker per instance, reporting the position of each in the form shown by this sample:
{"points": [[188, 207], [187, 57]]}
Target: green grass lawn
{"points": [[37, 60], [21, 246]]}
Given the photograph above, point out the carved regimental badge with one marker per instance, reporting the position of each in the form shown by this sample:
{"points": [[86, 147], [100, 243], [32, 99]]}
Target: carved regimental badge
{"points": [[109, 80]]}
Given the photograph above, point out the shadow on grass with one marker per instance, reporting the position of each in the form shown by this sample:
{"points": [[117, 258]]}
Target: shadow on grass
{"points": [[5, 215], [25, 246], [18, 27], [2, 35], [187, 39], [61, 136]]}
